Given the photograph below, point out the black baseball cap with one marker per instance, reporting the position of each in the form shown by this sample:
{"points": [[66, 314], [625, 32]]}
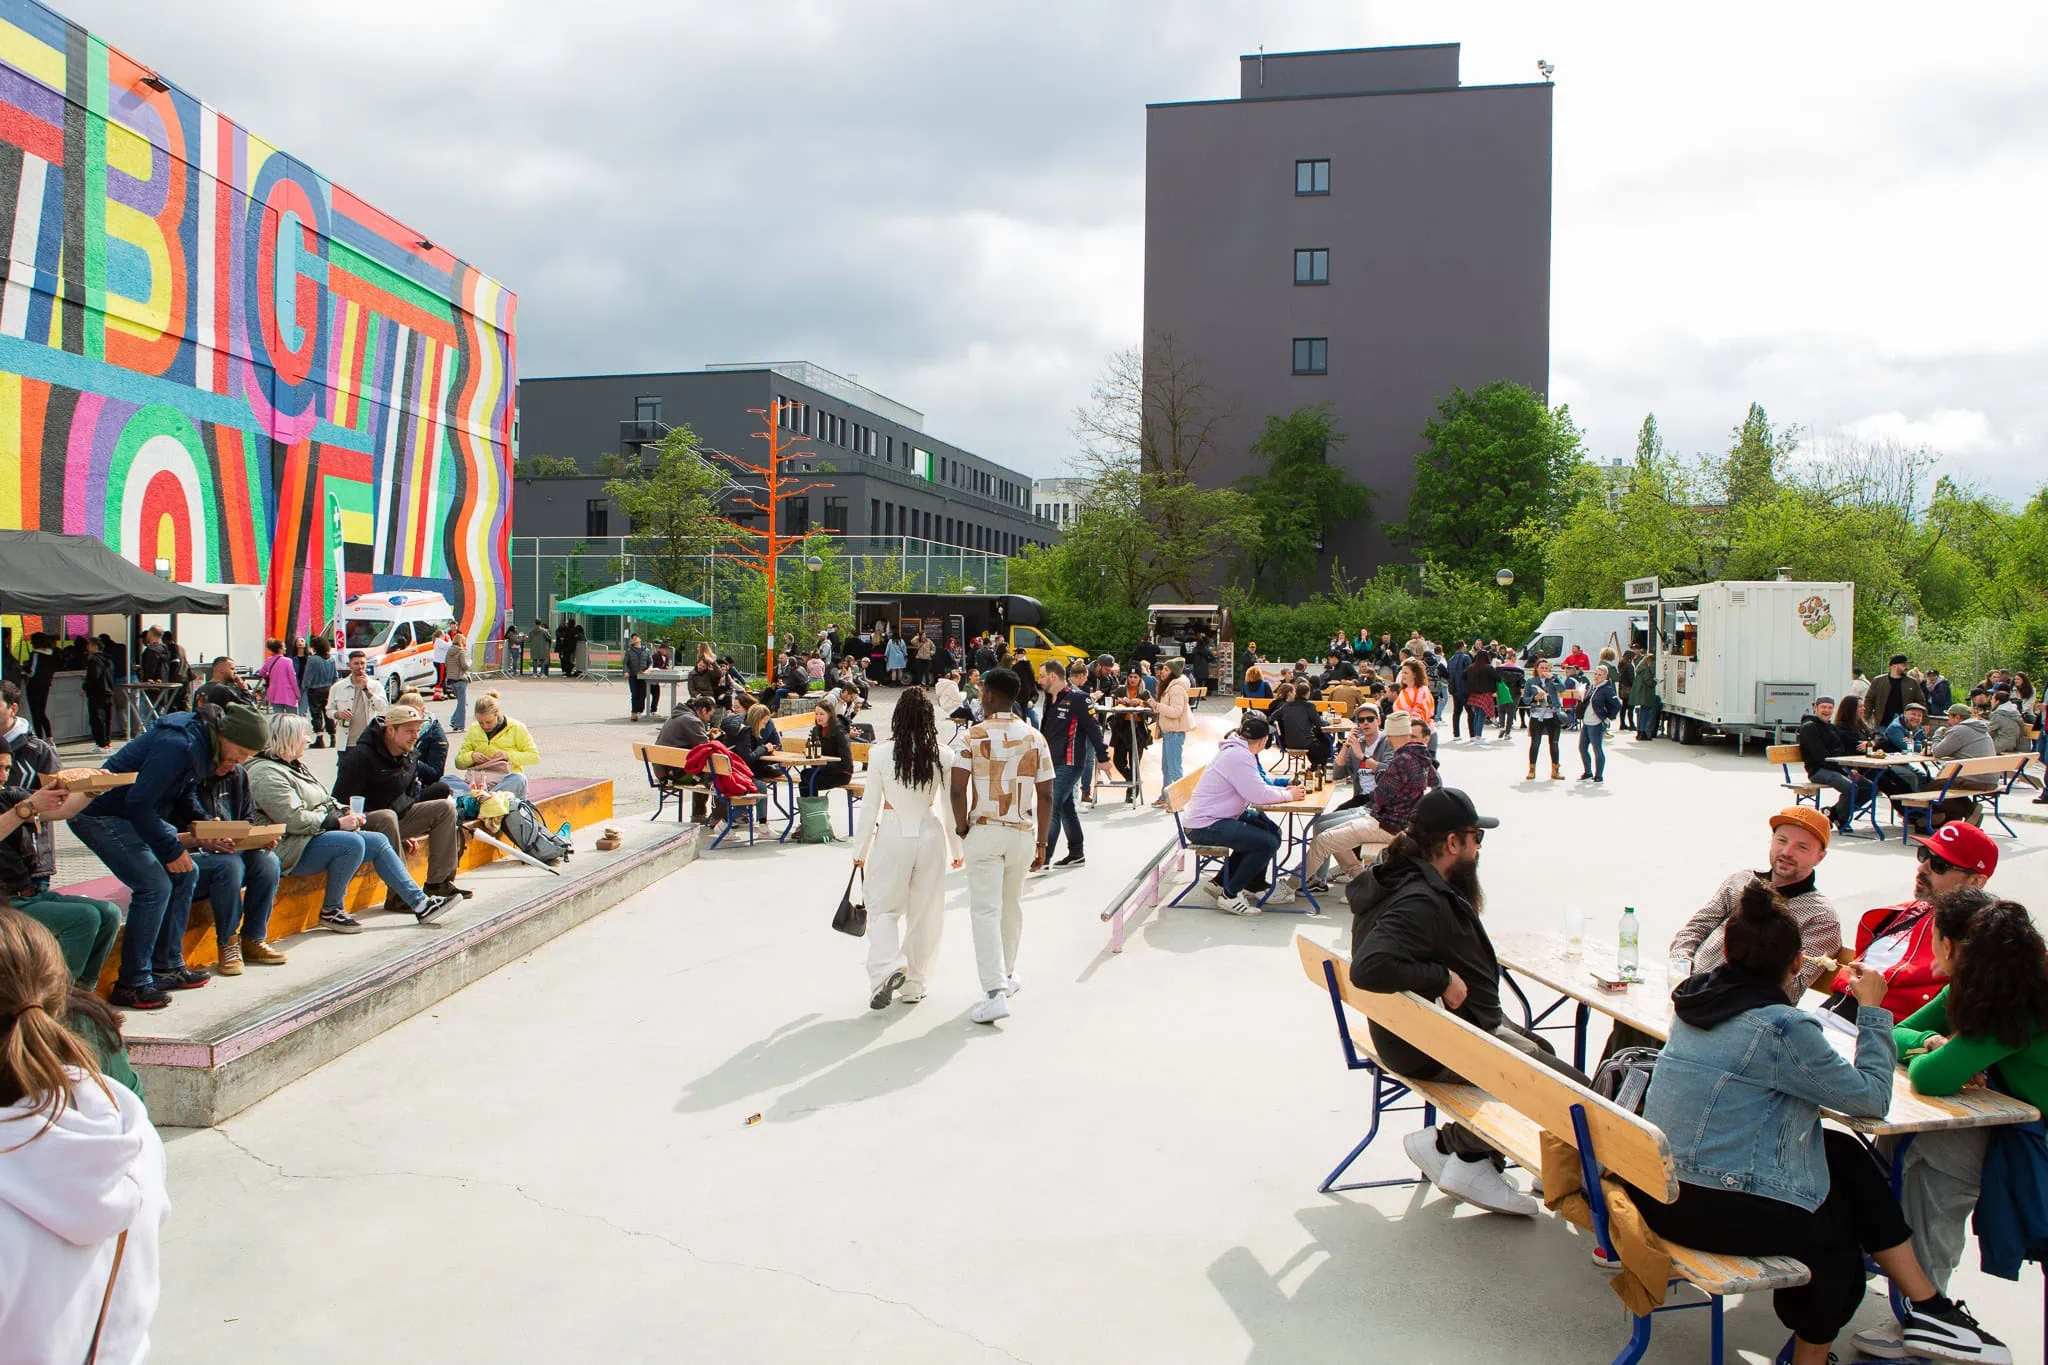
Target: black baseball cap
{"points": [[1254, 725], [1446, 811]]}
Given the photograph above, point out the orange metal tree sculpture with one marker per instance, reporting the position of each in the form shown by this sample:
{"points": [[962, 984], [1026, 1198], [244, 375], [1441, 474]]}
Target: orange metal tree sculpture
{"points": [[762, 550]]}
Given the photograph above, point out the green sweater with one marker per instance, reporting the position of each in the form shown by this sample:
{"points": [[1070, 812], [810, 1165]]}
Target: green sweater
{"points": [[1950, 1067]]}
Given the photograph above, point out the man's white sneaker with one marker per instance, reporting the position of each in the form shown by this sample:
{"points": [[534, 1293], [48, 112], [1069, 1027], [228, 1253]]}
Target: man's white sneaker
{"points": [[1884, 1342], [1011, 985], [1283, 894], [1477, 1182], [995, 1007], [910, 995], [1237, 905], [1421, 1148]]}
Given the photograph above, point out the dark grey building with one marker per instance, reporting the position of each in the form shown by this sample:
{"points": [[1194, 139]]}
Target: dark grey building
{"points": [[889, 478], [1355, 228]]}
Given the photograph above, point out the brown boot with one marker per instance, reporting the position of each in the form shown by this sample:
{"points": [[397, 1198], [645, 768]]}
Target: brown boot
{"points": [[256, 950], [1532, 773], [230, 963], [1556, 774]]}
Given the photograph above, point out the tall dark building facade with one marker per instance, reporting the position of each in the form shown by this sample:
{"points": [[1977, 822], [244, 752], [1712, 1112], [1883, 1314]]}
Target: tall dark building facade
{"points": [[1355, 228], [888, 477]]}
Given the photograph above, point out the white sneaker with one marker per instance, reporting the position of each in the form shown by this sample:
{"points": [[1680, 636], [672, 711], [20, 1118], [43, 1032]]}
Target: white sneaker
{"points": [[1421, 1148], [910, 995], [1237, 905], [1886, 1341], [1478, 1183], [1283, 894], [1011, 985], [1206, 886], [995, 1007]]}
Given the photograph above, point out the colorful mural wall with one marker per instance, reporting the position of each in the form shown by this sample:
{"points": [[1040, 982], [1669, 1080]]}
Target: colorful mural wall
{"points": [[211, 355]]}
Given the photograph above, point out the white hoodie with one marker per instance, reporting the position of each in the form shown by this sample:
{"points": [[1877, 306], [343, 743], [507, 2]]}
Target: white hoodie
{"points": [[64, 1198]]}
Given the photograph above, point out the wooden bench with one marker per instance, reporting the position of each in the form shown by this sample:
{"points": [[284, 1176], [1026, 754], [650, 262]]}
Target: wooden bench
{"points": [[2004, 767], [1207, 856], [1785, 755], [665, 775], [735, 806], [1511, 1101]]}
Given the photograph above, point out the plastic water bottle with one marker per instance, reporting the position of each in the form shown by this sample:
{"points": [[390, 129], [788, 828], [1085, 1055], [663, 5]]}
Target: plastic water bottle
{"points": [[1625, 954]]}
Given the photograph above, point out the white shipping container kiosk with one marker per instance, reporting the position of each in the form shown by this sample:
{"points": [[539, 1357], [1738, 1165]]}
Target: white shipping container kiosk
{"points": [[1749, 658]]}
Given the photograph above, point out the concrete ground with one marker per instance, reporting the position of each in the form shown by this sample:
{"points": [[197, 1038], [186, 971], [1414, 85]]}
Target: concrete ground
{"points": [[559, 1162]]}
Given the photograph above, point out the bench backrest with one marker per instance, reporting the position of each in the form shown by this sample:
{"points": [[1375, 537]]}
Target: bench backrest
{"points": [[1253, 703], [1624, 1143], [859, 751], [792, 744], [660, 755], [2006, 765], [1180, 793], [1782, 753]]}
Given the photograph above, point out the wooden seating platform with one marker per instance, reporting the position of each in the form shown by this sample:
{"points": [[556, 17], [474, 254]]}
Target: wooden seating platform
{"points": [[581, 801]]}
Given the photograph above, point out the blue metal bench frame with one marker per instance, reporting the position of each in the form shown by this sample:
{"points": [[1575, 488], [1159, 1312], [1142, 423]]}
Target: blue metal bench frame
{"points": [[1982, 797]]}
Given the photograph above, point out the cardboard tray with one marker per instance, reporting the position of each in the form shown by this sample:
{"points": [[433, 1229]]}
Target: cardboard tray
{"points": [[245, 835], [88, 780]]}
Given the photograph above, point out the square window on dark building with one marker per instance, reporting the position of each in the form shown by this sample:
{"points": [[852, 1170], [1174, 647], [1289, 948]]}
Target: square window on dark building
{"points": [[1311, 177], [835, 515], [796, 516], [1312, 265], [1311, 355], [597, 515]]}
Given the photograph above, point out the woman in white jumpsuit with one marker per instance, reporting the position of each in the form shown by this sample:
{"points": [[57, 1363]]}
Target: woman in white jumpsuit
{"points": [[904, 843]]}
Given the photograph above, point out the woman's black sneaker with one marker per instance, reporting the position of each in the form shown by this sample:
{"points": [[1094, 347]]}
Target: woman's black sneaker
{"points": [[1072, 860], [1943, 1328], [181, 979], [139, 998]]}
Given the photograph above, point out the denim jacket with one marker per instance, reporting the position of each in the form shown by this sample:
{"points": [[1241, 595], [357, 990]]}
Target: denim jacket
{"points": [[1740, 1102]]}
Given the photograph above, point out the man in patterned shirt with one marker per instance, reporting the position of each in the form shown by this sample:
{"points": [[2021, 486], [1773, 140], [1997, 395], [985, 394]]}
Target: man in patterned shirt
{"points": [[1002, 807]]}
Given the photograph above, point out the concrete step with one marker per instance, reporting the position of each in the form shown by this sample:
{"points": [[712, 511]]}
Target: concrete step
{"points": [[217, 1050]]}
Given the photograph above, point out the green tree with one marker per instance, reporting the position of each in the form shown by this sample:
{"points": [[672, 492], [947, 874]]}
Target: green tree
{"points": [[673, 511], [1299, 497], [1757, 455], [545, 467], [1498, 470], [613, 465]]}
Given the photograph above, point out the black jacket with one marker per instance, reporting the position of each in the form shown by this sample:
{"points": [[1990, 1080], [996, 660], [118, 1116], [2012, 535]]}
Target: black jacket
{"points": [[219, 796], [1300, 725], [1412, 931], [368, 768], [29, 855], [430, 752], [1071, 729], [1820, 744]]}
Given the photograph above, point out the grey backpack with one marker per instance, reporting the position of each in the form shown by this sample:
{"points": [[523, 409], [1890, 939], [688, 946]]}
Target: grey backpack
{"points": [[525, 829], [1625, 1077]]}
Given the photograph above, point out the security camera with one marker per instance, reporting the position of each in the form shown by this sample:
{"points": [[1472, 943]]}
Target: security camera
{"points": [[1546, 68]]}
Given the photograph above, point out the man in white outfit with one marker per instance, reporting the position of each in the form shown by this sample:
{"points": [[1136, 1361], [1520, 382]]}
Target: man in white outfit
{"points": [[356, 700], [905, 842], [1002, 803]]}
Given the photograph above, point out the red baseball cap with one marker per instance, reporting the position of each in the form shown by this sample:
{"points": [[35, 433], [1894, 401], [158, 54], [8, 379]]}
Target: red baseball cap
{"points": [[1963, 844]]}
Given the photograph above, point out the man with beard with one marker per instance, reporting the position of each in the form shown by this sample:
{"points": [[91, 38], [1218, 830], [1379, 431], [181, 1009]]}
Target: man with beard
{"points": [[1417, 928], [1898, 940], [1799, 840]]}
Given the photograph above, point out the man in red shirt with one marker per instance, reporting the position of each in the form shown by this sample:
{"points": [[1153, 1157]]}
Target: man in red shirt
{"points": [[1576, 659], [1897, 939]]}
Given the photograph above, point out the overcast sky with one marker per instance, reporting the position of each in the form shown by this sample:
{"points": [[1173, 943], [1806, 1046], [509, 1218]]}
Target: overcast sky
{"points": [[1837, 211]]}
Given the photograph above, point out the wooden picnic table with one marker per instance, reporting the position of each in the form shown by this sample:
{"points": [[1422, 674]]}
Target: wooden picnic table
{"points": [[1646, 1005]]}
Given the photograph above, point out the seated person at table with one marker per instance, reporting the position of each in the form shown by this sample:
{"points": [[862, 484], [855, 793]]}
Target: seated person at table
{"points": [[1968, 736], [1991, 1021], [430, 751], [83, 927], [1898, 940], [241, 884], [223, 687], [1223, 813], [1417, 926], [1821, 742], [692, 723], [1799, 841], [496, 749], [1908, 731], [1738, 1089], [322, 837], [380, 768], [828, 740], [1300, 724], [1255, 684], [1398, 782], [761, 744], [2008, 727]]}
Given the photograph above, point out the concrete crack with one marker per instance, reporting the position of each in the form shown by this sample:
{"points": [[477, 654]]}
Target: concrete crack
{"points": [[725, 1261]]}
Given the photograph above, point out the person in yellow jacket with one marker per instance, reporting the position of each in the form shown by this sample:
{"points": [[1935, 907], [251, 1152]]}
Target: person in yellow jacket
{"points": [[496, 749]]}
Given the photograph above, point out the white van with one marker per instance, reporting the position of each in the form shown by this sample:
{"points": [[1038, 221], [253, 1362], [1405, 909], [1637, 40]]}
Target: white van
{"points": [[1589, 628], [395, 630]]}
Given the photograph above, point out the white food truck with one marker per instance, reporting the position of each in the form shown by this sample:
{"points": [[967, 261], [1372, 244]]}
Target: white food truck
{"points": [[1747, 658]]}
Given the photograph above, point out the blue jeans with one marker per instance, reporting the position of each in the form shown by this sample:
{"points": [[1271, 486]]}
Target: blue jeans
{"points": [[1593, 736], [159, 901], [1647, 715], [1851, 789], [460, 689], [1066, 778], [1253, 840], [339, 852], [1170, 745], [540, 661], [243, 889]]}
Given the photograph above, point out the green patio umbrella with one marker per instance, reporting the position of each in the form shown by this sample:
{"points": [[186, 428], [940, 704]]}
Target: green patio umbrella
{"points": [[641, 601]]}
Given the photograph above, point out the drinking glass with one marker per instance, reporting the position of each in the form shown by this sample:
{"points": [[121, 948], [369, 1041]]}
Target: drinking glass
{"points": [[355, 805], [1574, 933]]}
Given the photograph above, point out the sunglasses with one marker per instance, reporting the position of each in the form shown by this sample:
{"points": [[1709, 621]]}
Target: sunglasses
{"points": [[1935, 862]]}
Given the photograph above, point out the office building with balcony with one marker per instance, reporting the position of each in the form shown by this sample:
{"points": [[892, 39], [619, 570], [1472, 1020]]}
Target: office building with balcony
{"points": [[887, 477], [1058, 500], [1357, 228]]}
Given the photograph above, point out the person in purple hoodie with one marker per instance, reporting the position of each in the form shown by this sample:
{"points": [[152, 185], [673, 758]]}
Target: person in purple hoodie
{"points": [[1224, 812]]}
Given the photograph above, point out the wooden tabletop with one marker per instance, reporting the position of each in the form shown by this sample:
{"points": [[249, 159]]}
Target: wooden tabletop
{"points": [[801, 760], [1881, 760], [1306, 806], [1646, 1005]]}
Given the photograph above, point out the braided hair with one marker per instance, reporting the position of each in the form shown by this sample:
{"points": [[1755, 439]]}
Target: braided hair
{"points": [[915, 734]]}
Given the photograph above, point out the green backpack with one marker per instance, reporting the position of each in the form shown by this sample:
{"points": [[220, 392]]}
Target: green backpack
{"points": [[815, 816]]}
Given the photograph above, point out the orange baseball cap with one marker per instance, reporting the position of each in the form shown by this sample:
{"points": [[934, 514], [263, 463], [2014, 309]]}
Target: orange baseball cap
{"points": [[1808, 819]]}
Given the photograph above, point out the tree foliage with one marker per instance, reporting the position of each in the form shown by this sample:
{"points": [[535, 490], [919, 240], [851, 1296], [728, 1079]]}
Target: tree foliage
{"points": [[545, 467], [1299, 498], [673, 511], [1498, 468]]}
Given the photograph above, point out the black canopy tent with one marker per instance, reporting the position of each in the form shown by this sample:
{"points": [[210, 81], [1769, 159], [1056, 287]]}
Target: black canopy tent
{"points": [[43, 573]]}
